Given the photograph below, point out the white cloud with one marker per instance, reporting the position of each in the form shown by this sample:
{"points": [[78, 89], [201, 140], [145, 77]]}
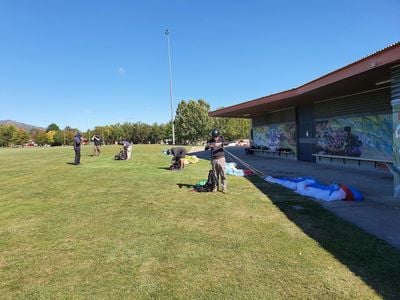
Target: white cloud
{"points": [[121, 71]]}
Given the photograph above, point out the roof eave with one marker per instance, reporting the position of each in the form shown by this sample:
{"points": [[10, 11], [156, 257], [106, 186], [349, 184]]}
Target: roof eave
{"points": [[385, 57]]}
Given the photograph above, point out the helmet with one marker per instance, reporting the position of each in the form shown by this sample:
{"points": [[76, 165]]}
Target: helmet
{"points": [[214, 132]]}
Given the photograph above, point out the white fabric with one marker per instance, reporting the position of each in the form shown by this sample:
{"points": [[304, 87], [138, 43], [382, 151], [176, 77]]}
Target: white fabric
{"points": [[129, 152]]}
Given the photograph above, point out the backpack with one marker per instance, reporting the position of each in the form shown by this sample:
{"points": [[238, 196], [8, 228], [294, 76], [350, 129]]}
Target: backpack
{"points": [[120, 156], [210, 184]]}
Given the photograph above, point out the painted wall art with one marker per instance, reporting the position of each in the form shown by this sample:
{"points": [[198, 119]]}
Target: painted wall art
{"points": [[364, 136], [276, 136]]}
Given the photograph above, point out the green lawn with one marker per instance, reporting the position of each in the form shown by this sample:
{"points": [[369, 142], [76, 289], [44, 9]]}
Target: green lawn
{"points": [[125, 229]]}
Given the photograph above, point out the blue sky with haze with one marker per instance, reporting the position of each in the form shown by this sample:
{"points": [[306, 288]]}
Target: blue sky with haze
{"points": [[87, 63]]}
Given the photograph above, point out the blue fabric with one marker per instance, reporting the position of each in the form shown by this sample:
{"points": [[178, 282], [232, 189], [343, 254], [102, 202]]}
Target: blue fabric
{"points": [[331, 188], [297, 179], [357, 196]]}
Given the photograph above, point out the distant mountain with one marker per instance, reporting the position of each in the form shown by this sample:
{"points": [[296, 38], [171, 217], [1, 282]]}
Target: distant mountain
{"points": [[20, 125]]}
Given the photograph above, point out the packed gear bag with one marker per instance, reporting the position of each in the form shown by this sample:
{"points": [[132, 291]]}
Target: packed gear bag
{"points": [[176, 165], [210, 185], [121, 155]]}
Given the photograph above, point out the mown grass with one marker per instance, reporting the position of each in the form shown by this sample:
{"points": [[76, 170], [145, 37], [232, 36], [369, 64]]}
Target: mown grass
{"points": [[112, 229]]}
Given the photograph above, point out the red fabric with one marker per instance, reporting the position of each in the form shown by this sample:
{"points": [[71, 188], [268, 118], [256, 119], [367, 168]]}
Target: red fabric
{"points": [[349, 194], [248, 172]]}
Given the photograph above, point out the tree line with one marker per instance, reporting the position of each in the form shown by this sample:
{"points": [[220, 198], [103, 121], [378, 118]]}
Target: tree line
{"points": [[192, 126]]}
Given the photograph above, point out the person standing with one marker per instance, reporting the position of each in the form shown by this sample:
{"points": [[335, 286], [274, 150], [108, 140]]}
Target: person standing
{"points": [[216, 145], [77, 148], [96, 145]]}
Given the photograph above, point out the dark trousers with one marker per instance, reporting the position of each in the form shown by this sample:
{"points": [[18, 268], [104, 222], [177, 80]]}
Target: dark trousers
{"points": [[77, 160]]}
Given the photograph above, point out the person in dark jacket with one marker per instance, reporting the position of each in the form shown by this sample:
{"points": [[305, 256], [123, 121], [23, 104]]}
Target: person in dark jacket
{"points": [[178, 157], [77, 148], [216, 145], [97, 143]]}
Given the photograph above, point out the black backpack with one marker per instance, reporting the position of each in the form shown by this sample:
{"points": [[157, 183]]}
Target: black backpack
{"points": [[210, 185]]}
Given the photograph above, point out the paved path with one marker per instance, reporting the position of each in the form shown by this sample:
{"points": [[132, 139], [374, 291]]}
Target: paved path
{"points": [[379, 214]]}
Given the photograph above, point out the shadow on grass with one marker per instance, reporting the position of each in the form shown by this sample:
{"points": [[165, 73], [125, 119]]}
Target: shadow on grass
{"points": [[373, 260], [165, 168], [188, 186], [376, 262], [171, 170]]}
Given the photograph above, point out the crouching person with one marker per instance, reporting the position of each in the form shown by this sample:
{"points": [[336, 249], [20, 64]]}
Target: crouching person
{"points": [[178, 157], [126, 151]]}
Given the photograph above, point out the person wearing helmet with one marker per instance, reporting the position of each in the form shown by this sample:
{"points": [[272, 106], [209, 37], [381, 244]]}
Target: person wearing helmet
{"points": [[216, 145]]}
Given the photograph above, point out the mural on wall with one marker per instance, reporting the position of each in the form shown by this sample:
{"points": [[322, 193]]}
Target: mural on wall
{"points": [[276, 136], [366, 136], [396, 148]]}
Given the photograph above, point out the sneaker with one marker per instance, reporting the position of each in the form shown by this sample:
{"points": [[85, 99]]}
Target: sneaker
{"points": [[224, 191], [215, 190]]}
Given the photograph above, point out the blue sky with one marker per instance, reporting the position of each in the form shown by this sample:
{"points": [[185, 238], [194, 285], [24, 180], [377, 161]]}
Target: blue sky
{"points": [[87, 63]]}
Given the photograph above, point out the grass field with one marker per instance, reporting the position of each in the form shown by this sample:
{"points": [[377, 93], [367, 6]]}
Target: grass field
{"points": [[126, 229]]}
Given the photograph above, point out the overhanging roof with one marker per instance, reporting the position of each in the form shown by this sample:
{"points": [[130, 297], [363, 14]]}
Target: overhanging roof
{"points": [[368, 73]]}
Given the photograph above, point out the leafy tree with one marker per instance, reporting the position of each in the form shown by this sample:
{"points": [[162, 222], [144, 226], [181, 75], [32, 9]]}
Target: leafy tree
{"points": [[115, 132], [166, 132], [41, 138], [7, 135], [52, 127], [20, 137], [69, 133], [192, 121], [106, 134], [233, 128], [156, 134], [142, 133], [50, 136], [7, 132], [69, 137], [33, 132], [192, 125], [58, 138]]}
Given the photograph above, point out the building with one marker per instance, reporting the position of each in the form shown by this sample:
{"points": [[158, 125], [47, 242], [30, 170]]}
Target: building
{"points": [[349, 116]]}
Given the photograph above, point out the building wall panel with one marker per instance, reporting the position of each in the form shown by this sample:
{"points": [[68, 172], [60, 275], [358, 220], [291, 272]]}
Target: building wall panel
{"points": [[374, 102]]}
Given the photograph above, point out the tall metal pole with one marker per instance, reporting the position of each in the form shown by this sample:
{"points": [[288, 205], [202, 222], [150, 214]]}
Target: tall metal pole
{"points": [[170, 87]]}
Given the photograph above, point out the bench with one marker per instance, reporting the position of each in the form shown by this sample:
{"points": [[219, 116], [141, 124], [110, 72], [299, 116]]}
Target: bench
{"points": [[275, 153], [350, 161]]}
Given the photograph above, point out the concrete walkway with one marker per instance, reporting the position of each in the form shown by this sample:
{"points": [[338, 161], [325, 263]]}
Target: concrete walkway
{"points": [[379, 214]]}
